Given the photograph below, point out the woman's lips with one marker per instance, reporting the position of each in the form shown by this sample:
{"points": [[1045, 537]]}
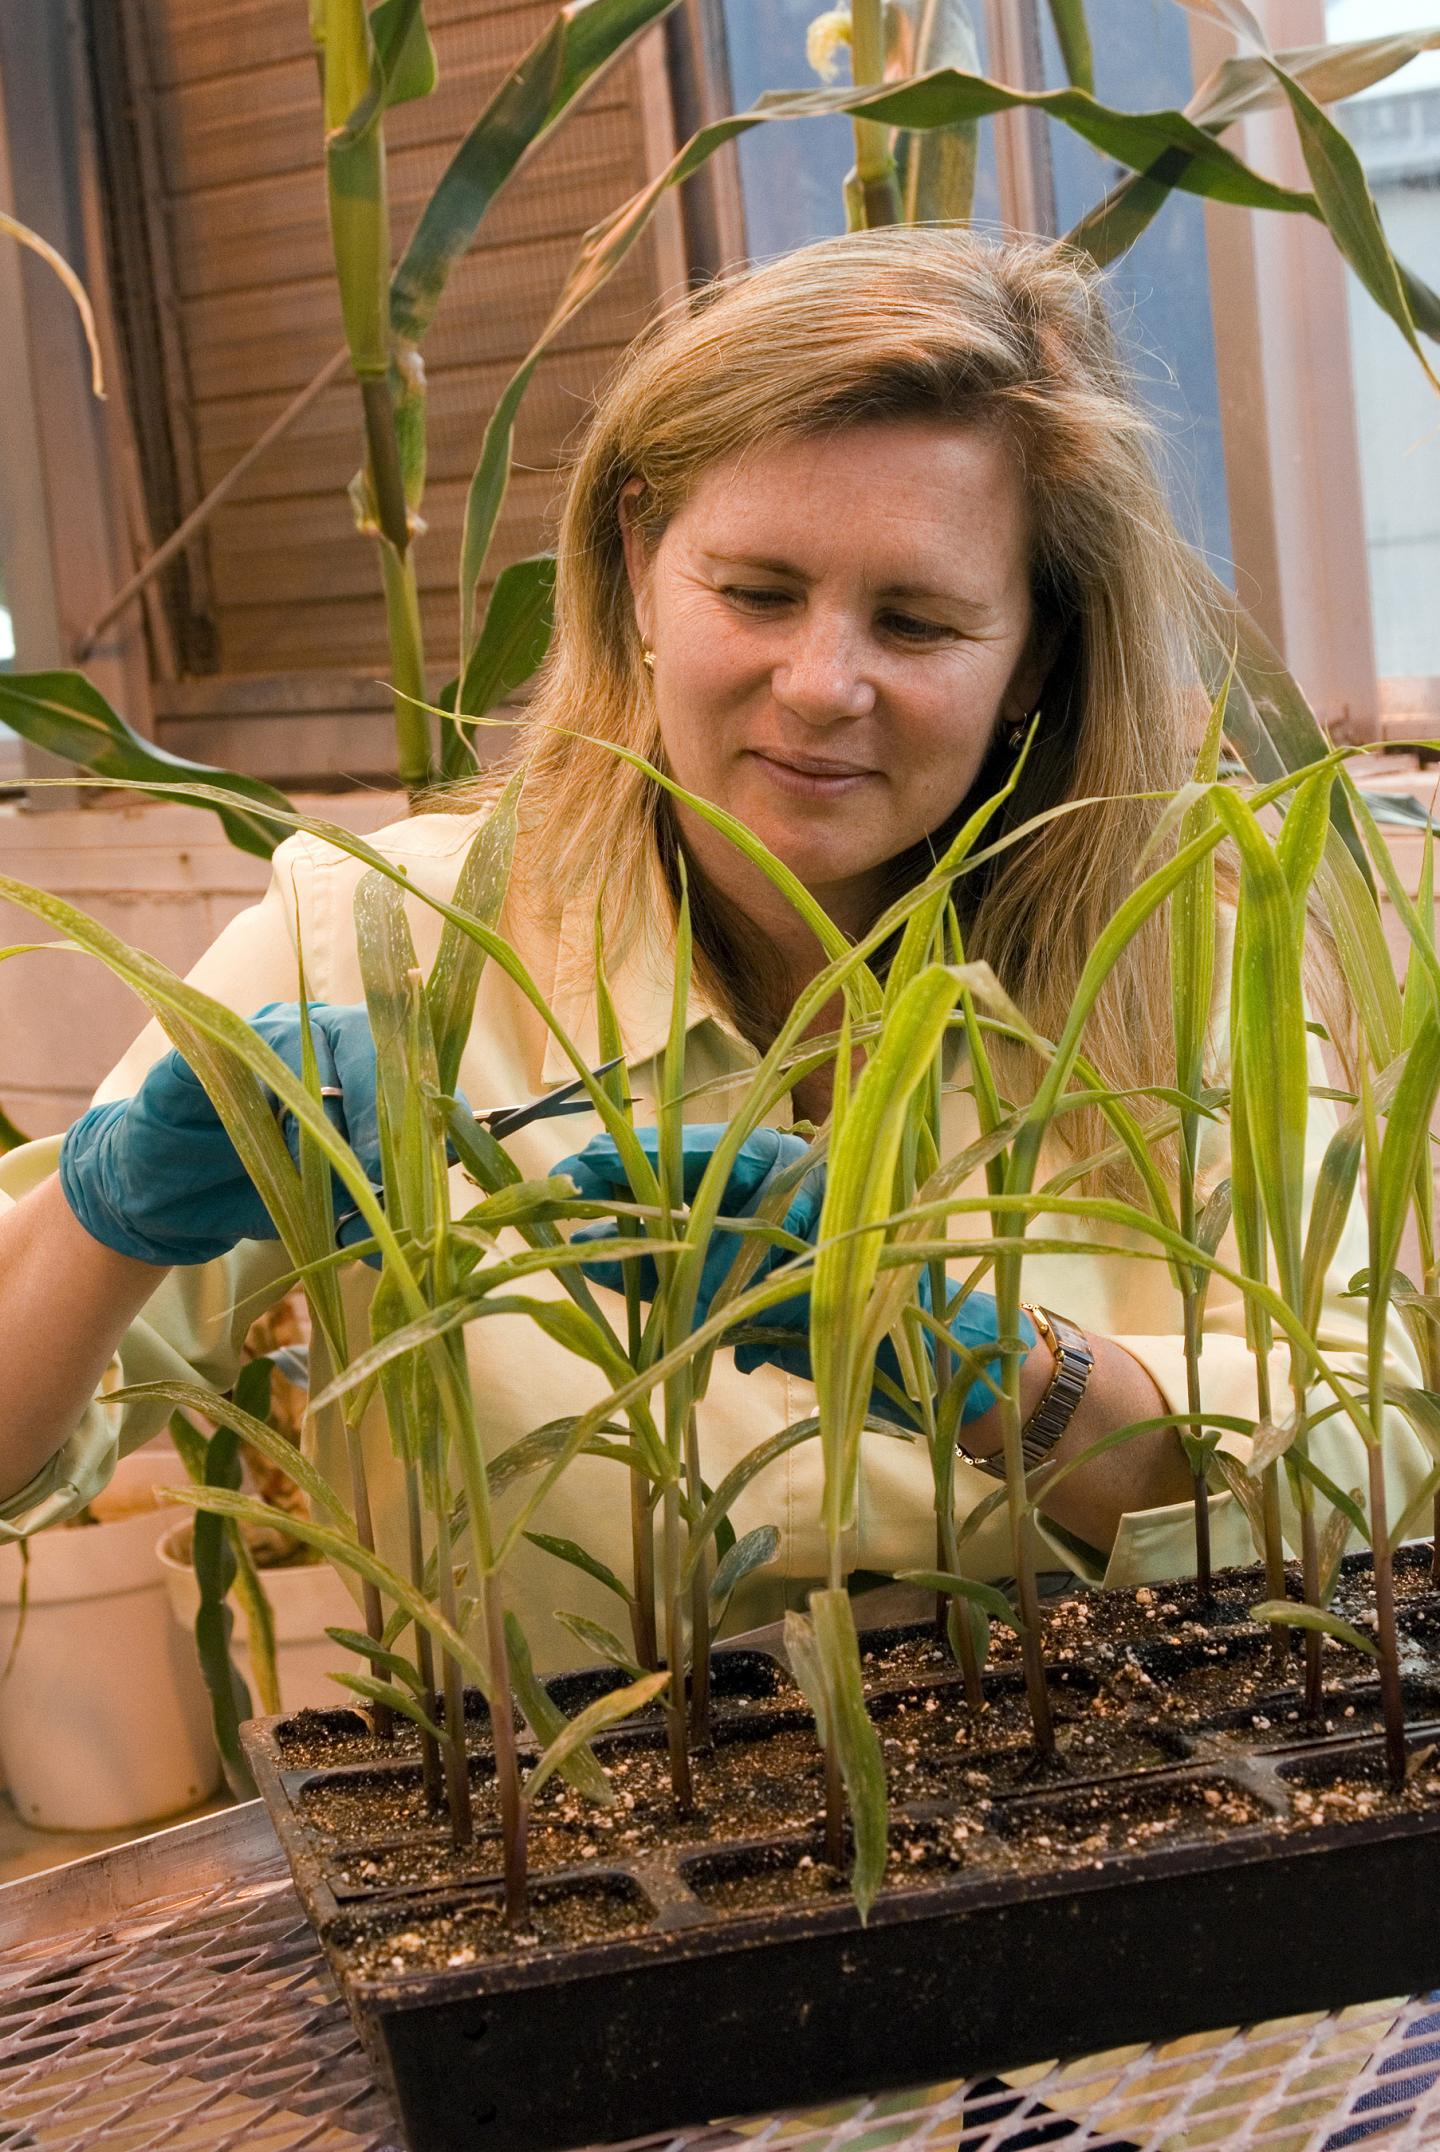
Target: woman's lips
{"points": [[814, 781]]}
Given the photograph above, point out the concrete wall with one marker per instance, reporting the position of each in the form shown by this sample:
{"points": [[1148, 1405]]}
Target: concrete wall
{"points": [[164, 878]]}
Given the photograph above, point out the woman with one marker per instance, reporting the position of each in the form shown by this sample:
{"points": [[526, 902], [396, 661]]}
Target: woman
{"points": [[835, 534]]}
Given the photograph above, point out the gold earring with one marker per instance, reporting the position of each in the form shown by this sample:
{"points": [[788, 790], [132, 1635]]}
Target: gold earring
{"points": [[647, 657], [1015, 736]]}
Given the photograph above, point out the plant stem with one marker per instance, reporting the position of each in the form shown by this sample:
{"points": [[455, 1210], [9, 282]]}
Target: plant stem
{"points": [[834, 1777], [1275, 1587], [1257, 1324], [699, 1601], [872, 189], [1391, 1696], [1309, 1576], [382, 455], [1204, 1579], [1431, 1364], [834, 1810], [675, 1727], [642, 1549], [1314, 1704], [1022, 1550], [424, 1651], [513, 1818], [1036, 1692], [383, 1716], [952, 1616], [414, 746], [642, 1528], [457, 1763]]}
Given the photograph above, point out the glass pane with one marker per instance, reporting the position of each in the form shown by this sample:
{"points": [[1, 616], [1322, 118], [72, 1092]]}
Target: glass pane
{"points": [[1160, 290], [1395, 128], [792, 173]]}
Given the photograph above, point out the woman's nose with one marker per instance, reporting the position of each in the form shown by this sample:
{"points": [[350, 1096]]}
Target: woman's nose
{"points": [[824, 677]]}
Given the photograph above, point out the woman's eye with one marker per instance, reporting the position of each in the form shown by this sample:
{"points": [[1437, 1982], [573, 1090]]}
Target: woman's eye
{"points": [[754, 600], [908, 629]]}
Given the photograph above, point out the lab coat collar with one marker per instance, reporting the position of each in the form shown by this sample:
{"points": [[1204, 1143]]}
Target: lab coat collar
{"points": [[642, 987]]}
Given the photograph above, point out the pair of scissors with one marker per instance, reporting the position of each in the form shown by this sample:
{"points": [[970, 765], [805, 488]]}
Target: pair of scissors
{"points": [[572, 1097], [503, 1121]]}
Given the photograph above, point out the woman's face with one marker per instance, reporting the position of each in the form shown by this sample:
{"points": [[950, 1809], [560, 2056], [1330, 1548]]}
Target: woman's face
{"points": [[839, 624]]}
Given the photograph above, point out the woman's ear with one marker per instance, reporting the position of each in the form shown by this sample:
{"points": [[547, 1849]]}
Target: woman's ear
{"points": [[638, 558], [1026, 690]]}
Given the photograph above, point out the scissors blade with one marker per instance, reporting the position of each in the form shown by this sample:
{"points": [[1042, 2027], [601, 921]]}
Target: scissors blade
{"points": [[571, 1097]]}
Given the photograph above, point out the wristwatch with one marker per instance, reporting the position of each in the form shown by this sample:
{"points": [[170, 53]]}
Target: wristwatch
{"points": [[1048, 1422]]}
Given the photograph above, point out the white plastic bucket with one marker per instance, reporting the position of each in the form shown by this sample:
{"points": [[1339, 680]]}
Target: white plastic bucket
{"points": [[304, 1600], [104, 1719]]}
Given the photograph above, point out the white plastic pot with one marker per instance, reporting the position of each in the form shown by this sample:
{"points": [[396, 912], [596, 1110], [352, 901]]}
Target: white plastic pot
{"points": [[304, 1600], [104, 1719]]}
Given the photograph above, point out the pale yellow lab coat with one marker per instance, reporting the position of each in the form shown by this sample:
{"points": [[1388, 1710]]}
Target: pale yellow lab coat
{"points": [[194, 1324]]}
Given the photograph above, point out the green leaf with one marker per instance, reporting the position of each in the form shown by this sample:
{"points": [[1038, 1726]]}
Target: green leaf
{"points": [[1300, 1467], [365, 1647], [1300, 846], [858, 1198], [214, 1563], [513, 638], [566, 1550], [1422, 1409], [1421, 991], [1270, 1017], [460, 960], [803, 1659], [937, 168], [985, 1596], [1334, 1539], [1246, 1491], [275, 1448], [542, 1445], [1214, 1220], [1297, 1615], [856, 1743], [606, 1645], [737, 1479], [1241, 85], [404, 50], [390, 55], [1072, 34], [1421, 1504], [346, 1553], [1348, 207], [1330, 1202], [548, 1723], [1234, 15], [64, 714], [393, 1697], [749, 1553], [619, 1704], [539, 89]]}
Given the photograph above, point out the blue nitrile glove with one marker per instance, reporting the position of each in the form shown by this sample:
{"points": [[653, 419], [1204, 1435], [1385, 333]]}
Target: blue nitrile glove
{"points": [[156, 1176], [761, 1159], [600, 1177]]}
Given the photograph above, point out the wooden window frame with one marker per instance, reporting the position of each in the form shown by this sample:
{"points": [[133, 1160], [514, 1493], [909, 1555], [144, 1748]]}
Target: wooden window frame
{"points": [[1287, 405], [63, 526]]}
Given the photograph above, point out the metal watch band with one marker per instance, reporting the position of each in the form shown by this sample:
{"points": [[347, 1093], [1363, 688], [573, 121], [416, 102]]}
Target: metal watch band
{"points": [[1048, 1422]]}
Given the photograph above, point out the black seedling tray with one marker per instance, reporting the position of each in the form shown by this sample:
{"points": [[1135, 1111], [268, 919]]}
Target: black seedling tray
{"points": [[1238, 1905]]}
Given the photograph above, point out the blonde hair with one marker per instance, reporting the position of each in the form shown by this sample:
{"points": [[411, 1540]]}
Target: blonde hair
{"points": [[877, 326]]}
